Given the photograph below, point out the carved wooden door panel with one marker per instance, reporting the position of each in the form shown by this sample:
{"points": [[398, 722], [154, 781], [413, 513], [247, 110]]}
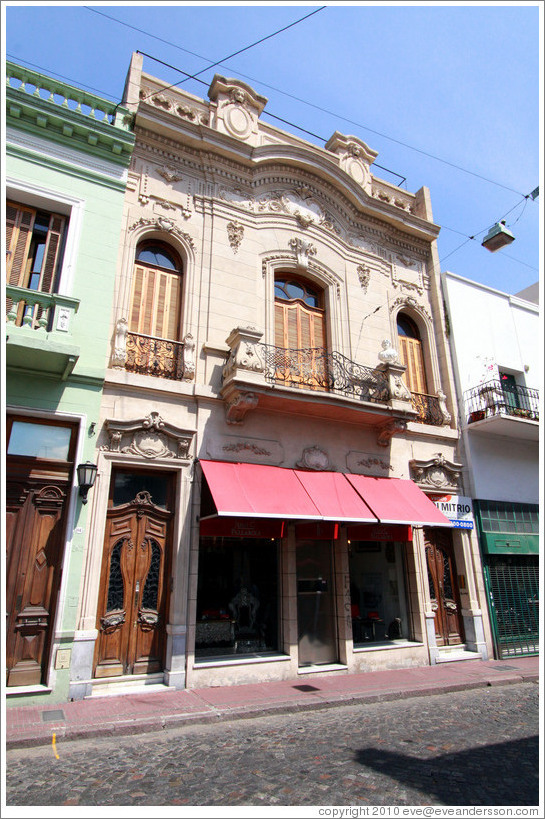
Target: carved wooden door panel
{"points": [[35, 523], [133, 598], [445, 600]]}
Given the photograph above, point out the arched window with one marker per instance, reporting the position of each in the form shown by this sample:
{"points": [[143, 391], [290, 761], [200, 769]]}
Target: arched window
{"points": [[153, 338], [156, 292], [410, 349], [299, 329]]}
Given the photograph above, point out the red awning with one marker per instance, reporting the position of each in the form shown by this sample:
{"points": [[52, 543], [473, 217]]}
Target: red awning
{"points": [[394, 500], [259, 491]]}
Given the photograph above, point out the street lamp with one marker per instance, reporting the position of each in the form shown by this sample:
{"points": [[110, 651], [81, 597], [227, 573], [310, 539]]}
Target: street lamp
{"points": [[87, 473], [497, 237]]}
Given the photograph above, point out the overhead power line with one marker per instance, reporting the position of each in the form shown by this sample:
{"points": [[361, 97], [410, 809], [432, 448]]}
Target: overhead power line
{"points": [[241, 50], [312, 105]]}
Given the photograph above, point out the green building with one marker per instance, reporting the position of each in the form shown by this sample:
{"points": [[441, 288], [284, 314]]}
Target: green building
{"points": [[67, 158]]}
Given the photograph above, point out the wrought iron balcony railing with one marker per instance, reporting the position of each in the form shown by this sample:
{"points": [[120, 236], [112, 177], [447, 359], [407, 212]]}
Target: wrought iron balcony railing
{"points": [[316, 369], [154, 356], [428, 408], [497, 398]]}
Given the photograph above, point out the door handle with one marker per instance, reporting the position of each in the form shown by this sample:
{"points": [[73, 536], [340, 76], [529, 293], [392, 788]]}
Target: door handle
{"points": [[136, 593]]}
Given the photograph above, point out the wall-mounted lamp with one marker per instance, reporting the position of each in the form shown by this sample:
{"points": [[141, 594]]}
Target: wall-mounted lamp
{"points": [[498, 236], [87, 474]]}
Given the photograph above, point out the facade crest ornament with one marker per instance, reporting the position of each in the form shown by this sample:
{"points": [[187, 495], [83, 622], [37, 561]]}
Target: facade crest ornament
{"points": [[169, 174], [437, 473], [303, 250], [150, 437], [235, 232], [165, 225], [314, 458], [409, 301]]}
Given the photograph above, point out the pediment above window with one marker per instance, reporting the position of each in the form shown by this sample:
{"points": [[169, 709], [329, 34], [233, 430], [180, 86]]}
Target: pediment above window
{"points": [[150, 437], [437, 474]]}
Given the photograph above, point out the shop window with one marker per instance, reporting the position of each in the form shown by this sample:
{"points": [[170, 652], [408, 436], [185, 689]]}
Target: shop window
{"points": [[237, 597], [377, 592], [410, 350], [300, 332], [34, 245]]}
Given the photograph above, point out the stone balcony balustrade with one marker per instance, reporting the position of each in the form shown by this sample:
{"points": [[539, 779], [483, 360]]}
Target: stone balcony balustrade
{"points": [[38, 329]]}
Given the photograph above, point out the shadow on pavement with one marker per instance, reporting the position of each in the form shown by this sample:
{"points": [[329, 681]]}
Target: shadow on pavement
{"points": [[506, 773]]}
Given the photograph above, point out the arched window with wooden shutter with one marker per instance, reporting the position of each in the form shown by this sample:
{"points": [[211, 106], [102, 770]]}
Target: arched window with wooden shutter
{"points": [[34, 243], [154, 346], [300, 331], [410, 349]]}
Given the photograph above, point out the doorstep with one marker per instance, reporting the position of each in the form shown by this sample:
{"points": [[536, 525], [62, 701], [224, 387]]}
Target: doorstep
{"points": [[322, 669], [453, 654]]}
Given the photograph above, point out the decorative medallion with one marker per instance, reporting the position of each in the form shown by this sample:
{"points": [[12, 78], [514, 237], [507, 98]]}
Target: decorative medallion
{"points": [[314, 458]]}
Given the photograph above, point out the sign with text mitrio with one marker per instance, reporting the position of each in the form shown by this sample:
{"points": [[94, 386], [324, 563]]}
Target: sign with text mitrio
{"points": [[456, 508]]}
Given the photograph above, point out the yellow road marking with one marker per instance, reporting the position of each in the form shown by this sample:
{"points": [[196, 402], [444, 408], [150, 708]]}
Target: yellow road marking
{"points": [[54, 744]]}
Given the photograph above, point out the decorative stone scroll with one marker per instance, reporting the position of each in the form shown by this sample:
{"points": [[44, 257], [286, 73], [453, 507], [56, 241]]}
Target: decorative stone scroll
{"points": [[149, 438], [387, 431], [437, 473], [303, 250]]}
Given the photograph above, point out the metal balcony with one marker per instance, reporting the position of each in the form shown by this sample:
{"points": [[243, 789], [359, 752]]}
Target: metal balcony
{"points": [[495, 407], [315, 369]]}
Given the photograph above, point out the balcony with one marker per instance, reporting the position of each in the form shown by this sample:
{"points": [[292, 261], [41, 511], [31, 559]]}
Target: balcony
{"points": [[148, 355], [315, 383], [493, 408], [38, 332]]}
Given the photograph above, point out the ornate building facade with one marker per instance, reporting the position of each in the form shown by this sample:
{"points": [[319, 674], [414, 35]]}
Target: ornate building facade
{"points": [[277, 415]]}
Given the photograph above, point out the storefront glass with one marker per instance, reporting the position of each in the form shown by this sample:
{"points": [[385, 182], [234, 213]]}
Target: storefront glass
{"points": [[377, 592], [237, 597]]}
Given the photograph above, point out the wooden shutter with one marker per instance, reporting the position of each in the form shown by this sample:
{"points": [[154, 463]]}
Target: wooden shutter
{"points": [[19, 224], [155, 303], [411, 356], [52, 253]]}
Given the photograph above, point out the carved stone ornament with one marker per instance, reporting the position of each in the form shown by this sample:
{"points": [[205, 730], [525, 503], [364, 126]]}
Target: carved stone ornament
{"points": [[149, 438], [238, 106], [314, 458], [437, 473], [238, 405], [355, 157], [409, 301], [165, 226], [364, 275], [388, 354], [303, 250], [387, 431], [235, 232], [169, 174]]}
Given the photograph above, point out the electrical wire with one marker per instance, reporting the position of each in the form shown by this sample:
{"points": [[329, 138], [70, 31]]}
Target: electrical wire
{"points": [[241, 50], [312, 105]]}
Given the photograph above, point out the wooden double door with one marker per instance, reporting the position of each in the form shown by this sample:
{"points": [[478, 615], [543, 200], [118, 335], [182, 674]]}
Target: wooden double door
{"points": [[39, 470], [135, 579], [443, 585]]}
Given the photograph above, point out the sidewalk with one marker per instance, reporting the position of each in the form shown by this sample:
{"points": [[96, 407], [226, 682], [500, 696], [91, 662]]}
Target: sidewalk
{"points": [[134, 713]]}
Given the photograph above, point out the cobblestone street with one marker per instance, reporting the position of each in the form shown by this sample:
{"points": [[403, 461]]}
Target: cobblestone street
{"points": [[475, 747]]}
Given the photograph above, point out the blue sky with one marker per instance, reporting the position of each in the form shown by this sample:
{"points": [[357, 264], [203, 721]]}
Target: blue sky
{"points": [[429, 86]]}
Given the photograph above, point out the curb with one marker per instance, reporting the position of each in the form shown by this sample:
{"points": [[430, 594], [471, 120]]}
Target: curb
{"points": [[172, 721]]}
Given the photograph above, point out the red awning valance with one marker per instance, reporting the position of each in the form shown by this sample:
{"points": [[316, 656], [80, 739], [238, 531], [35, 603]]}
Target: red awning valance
{"points": [[259, 491]]}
